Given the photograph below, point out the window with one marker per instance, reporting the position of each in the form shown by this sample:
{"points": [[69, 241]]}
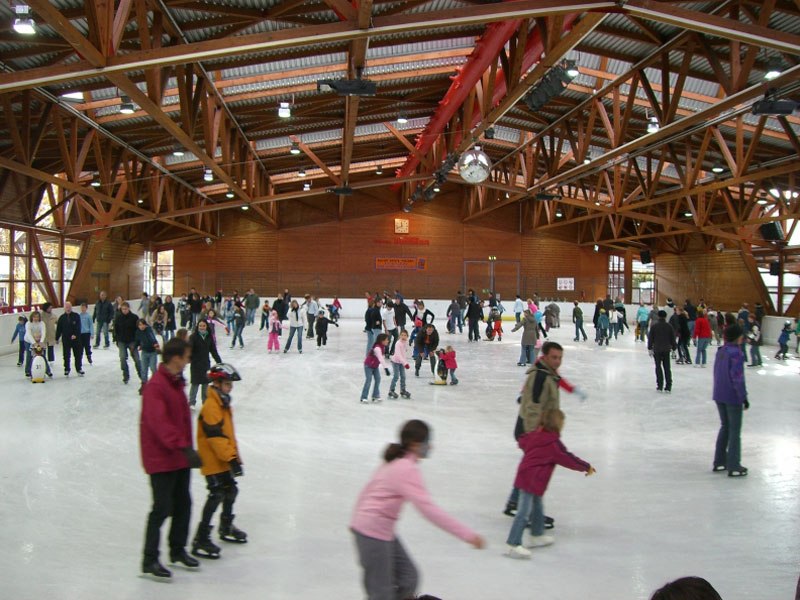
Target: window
{"points": [[148, 271], [165, 273], [642, 282], [22, 281], [616, 276]]}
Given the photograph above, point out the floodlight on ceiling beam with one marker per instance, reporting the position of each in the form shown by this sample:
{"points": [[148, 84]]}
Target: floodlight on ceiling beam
{"points": [[230, 194], [208, 175], [571, 69], [284, 110], [379, 170], [178, 152], [301, 173], [717, 168], [774, 68], [652, 125], [24, 23], [402, 118], [295, 148], [126, 106]]}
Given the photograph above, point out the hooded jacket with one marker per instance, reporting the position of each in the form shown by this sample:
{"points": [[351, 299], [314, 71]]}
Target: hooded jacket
{"points": [[202, 346], [165, 426], [216, 439], [540, 393], [103, 311], [125, 327], [530, 330], [426, 344], [661, 337], [729, 386], [543, 451]]}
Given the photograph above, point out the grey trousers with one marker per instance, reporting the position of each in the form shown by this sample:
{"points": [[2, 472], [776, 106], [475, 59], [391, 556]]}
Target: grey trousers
{"points": [[389, 573]]}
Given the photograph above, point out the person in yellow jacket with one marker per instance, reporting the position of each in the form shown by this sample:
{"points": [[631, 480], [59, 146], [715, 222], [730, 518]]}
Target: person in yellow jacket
{"points": [[216, 445]]}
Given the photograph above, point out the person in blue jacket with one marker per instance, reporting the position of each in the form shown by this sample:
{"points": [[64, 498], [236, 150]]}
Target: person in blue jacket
{"points": [[19, 334]]}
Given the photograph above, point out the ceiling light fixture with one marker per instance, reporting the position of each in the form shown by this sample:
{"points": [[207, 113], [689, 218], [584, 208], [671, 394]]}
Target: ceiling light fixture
{"points": [[652, 125], [774, 68], [126, 106], [295, 148], [717, 168], [140, 201], [301, 173], [572, 69], [245, 207], [559, 214], [230, 194], [307, 186], [208, 175], [436, 188], [402, 118], [284, 110], [178, 152], [379, 170], [761, 201], [73, 96], [95, 182], [687, 214], [596, 248], [24, 23]]}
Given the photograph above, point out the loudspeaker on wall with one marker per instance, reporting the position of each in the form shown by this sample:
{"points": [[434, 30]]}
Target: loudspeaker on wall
{"points": [[645, 258], [771, 232], [775, 268]]}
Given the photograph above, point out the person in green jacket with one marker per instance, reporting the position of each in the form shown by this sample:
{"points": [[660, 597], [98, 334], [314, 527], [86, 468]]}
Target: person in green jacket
{"points": [[577, 318]]}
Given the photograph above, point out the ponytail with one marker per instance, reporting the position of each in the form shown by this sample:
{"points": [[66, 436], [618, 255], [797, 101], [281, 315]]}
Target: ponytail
{"points": [[414, 431]]}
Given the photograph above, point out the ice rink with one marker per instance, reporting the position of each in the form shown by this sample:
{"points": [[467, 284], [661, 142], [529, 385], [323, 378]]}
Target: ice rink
{"points": [[74, 498]]}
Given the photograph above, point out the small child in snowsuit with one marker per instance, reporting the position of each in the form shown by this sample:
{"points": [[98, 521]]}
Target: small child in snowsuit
{"points": [[543, 451], [783, 341], [238, 326], [449, 359], [400, 363], [221, 463], [19, 334], [321, 327], [495, 325], [274, 328]]}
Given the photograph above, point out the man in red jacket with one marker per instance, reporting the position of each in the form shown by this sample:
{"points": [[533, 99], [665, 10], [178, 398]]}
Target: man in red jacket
{"points": [[165, 433]]}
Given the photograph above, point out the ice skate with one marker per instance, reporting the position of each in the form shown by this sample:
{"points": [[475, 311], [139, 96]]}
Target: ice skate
{"points": [[202, 545], [393, 395], [519, 552], [537, 541], [511, 509], [182, 557], [405, 394], [228, 532], [156, 569]]}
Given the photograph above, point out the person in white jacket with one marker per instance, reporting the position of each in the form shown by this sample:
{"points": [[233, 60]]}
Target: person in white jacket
{"points": [[613, 319], [35, 333], [519, 308], [400, 363], [297, 325]]}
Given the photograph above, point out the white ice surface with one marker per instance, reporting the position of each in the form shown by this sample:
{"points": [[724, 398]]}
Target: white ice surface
{"points": [[74, 499]]}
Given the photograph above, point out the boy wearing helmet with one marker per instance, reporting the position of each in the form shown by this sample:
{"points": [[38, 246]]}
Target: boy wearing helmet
{"points": [[216, 444]]}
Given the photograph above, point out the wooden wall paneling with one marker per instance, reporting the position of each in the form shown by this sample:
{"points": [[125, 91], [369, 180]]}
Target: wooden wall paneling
{"points": [[545, 259], [116, 262]]}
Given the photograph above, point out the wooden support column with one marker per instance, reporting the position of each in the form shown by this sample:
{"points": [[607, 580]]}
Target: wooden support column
{"points": [[627, 276], [36, 250]]}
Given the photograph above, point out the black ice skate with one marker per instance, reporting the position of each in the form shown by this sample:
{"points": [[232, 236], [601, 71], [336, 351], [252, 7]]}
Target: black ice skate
{"points": [[202, 545], [393, 395], [228, 532], [182, 557], [156, 569], [405, 394]]}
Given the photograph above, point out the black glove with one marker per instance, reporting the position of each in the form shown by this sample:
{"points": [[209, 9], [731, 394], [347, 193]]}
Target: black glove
{"points": [[386, 371], [236, 467], [746, 404], [193, 457]]}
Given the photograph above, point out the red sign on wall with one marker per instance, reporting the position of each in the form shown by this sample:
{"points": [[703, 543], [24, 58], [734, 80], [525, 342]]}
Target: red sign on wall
{"points": [[400, 263]]}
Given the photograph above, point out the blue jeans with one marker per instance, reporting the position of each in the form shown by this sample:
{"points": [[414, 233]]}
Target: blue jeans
{"points": [[398, 372], [460, 322], [29, 360], [642, 329], [123, 359], [299, 332], [237, 334], [453, 378], [372, 335], [755, 354], [729, 441], [101, 327], [528, 354], [702, 345], [250, 316], [691, 329], [203, 387], [579, 330], [531, 508], [517, 316], [370, 374], [149, 362]]}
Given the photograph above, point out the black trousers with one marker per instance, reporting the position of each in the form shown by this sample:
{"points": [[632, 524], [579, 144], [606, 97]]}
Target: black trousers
{"points": [[322, 339], [170, 498], [221, 490], [473, 333], [72, 348], [663, 370], [311, 318], [418, 362]]}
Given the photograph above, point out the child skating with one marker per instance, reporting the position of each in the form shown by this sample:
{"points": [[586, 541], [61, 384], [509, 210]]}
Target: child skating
{"points": [[219, 453], [373, 363], [19, 334], [783, 341], [321, 328], [400, 365], [388, 570], [543, 451], [274, 326], [449, 359]]}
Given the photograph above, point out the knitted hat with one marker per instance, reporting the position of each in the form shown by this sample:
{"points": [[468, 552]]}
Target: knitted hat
{"points": [[733, 333]]}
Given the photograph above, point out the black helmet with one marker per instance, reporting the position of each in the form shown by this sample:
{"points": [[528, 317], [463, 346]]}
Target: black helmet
{"points": [[223, 372]]}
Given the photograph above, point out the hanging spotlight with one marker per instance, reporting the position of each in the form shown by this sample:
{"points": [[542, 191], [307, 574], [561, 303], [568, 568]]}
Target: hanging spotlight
{"points": [[379, 170], [24, 23], [717, 168], [596, 248], [774, 68], [208, 175], [307, 186], [436, 188], [652, 125], [245, 207], [571, 68], [284, 110], [178, 152], [489, 133], [126, 106], [95, 181], [402, 118], [73, 96], [761, 201], [301, 173], [588, 158], [140, 201], [295, 149], [230, 194], [687, 214], [559, 214]]}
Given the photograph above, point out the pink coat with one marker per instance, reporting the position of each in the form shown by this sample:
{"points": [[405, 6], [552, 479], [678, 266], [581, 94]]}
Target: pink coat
{"points": [[543, 451], [391, 486], [449, 359], [400, 355]]}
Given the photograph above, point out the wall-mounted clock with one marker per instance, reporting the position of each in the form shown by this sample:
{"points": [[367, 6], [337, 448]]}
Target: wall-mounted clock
{"points": [[401, 225]]}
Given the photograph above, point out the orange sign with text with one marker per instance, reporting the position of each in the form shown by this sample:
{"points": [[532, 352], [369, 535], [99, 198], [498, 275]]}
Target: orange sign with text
{"points": [[399, 263]]}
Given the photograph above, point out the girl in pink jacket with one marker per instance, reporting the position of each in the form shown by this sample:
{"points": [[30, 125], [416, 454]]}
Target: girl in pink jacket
{"points": [[373, 363], [274, 327], [388, 571], [543, 451], [400, 363]]}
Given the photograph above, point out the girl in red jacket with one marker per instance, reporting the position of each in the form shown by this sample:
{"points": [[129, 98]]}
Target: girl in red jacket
{"points": [[449, 359], [702, 333], [543, 451]]}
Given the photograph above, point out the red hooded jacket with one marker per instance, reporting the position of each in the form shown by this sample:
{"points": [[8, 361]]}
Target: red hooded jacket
{"points": [[166, 423], [543, 451]]}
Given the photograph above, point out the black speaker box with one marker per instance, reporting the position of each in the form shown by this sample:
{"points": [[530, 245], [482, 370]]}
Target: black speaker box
{"points": [[771, 232], [775, 268], [645, 257]]}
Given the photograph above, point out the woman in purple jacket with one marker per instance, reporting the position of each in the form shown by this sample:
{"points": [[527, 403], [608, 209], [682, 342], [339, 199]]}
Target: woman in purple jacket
{"points": [[730, 394]]}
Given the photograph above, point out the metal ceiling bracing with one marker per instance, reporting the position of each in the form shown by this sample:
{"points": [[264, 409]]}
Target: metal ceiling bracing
{"points": [[207, 77]]}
